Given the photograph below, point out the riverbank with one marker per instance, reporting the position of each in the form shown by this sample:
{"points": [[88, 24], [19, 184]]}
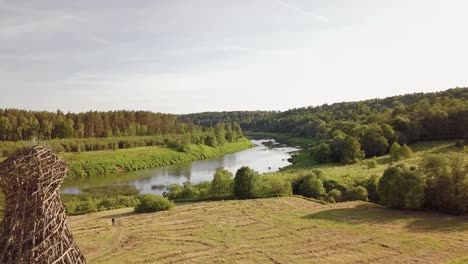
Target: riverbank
{"points": [[88, 164]]}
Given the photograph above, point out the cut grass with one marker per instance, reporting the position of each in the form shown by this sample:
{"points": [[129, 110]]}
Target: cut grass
{"points": [[278, 230]]}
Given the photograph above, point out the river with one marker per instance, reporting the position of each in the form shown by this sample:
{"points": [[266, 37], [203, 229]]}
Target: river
{"points": [[266, 156]]}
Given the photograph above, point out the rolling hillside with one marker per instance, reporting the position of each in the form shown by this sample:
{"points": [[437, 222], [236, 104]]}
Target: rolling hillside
{"points": [[277, 230]]}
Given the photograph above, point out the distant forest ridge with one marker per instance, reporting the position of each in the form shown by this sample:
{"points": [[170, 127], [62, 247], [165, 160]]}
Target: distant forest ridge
{"points": [[406, 118], [375, 123]]}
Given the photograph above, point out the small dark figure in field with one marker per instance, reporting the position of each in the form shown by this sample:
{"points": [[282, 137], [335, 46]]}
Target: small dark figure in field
{"points": [[113, 221]]}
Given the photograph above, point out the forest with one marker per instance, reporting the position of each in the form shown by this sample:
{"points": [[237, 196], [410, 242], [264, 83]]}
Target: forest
{"points": [[350, 131], [91, 131]]}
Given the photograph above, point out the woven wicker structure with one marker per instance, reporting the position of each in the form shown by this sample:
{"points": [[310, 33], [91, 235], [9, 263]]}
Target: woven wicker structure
{"points": [[33, 229]]}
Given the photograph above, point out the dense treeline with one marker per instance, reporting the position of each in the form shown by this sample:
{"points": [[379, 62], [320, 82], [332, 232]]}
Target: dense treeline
{"points": [[249, 120], [93, 131], [16, 125], [349, 131], [218, 135]]}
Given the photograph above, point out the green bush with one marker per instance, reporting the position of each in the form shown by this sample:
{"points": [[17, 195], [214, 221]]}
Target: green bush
{"points": [[174, 191], [82, 204], [371, 163], [330, 184], [371, 185], [203, 188], [358, 193], [273, 187], [447, 183], [406, 152], [395, 151], [244, 183], [401, 187], [222, 184], [152, 203], [77, 207], [334, 196], [189, 191], [311, 186]]}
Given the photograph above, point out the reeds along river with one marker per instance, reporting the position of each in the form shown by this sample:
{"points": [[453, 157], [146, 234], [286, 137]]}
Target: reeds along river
{"points": [[266, 156]]}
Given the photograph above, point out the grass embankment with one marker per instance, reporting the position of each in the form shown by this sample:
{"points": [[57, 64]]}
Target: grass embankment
{"points": [[368, 167], [109, 161], [282, 138], [277, 230]]}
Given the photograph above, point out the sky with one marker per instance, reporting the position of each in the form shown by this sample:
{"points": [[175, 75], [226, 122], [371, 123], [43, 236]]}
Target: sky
{"points": [[184, 56]]}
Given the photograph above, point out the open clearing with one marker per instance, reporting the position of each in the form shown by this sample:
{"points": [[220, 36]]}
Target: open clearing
{"points": [[277, 230]]}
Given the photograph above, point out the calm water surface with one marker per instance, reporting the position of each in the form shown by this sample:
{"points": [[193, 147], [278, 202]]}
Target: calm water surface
{"points": [[266, 156]]}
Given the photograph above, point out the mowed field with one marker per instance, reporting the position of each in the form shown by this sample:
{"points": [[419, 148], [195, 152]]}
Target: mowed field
{"points": [[276, 230]]}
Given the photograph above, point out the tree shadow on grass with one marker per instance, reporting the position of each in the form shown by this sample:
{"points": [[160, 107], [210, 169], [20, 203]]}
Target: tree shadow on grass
{"points": [[413, 221]]}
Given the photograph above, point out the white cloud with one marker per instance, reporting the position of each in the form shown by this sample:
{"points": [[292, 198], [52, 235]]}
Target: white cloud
{"points": [[244, 56]]}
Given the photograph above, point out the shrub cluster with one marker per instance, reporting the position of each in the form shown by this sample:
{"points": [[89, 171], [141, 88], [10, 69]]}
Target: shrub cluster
{"points": [[320, 187], [83, 205], [441, 183], [246, 184], [153, 203]]}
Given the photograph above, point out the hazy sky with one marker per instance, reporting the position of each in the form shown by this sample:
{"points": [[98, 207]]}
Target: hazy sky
{"points": [[183, 56]]}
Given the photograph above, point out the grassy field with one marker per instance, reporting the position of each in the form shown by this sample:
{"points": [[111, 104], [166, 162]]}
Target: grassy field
{"points": [[277, 230], [108, 161]]}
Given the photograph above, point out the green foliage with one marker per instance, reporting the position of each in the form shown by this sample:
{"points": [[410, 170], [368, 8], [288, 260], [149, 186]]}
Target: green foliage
{"points": [[406, 152], [321, 152], [331, 184], [312, 187], [355, 194], [152, 203], [398, 152], [174, 191], [446, 183], [395, 151], [18, 125], [334, 195], [96, 163], [342, 149], [220, 133], [401, 187], [188, 191], [373, 141], [376, 123], [77, 207], [371, 163], [110, 190], [273, 187], [244, 183], [178, 145], [371, 185], [101, 198], [352, 152], [222, 184]]}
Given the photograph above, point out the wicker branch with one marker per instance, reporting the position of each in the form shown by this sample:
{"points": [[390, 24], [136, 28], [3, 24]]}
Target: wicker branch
{"points": [[33, 229]]}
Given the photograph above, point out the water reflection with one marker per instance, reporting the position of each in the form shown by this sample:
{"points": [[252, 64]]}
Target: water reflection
{"points": [[266, 156]]}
